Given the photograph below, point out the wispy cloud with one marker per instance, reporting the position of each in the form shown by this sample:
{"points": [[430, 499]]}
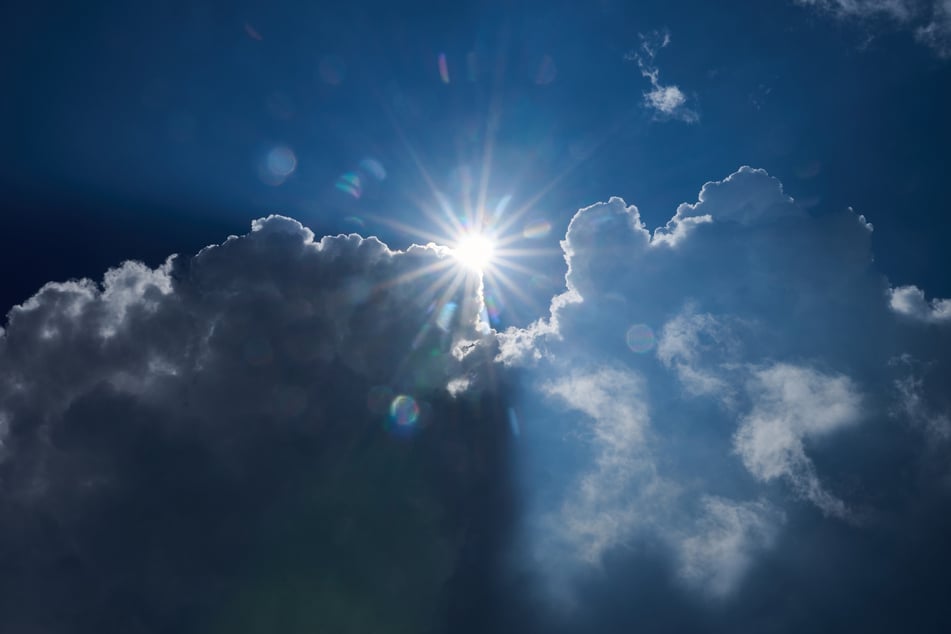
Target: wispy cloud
{"points": [[929, 20], [790, 406], [898, 9], [725, 542], [600, 511], [666, 100]]}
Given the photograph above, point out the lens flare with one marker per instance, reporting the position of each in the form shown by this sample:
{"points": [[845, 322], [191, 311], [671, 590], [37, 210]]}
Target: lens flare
{"points": [[640, 338], [536, 229], [279, 163], [374, 168], [444, 319], [349, 183], [403, 410], [443, 68], [546, 71], [493, 307]]}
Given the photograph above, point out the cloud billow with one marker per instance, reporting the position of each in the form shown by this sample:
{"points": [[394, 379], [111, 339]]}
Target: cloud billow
{"points": [[725, 417], [212, 445], [761, 388]]}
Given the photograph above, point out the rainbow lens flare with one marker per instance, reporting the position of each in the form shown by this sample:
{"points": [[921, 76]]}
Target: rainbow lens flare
{"points": [[640, 338], [404, 411]]}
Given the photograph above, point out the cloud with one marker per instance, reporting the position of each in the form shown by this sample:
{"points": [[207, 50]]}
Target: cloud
{"points": [[898, 9], [790, 405], [910, 301], [930, 20], [728, 537], [684, 340], [667, 101], [292, 432], [914, 398], [757, 390], [936, 32], [248, 435], [599, 511]]}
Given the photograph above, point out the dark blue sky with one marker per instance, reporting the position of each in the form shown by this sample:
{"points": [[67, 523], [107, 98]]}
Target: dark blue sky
{"points": [[134, 131]]}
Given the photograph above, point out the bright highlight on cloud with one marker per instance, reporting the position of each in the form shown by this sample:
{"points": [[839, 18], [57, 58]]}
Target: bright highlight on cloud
{"points": [[910, 301]]}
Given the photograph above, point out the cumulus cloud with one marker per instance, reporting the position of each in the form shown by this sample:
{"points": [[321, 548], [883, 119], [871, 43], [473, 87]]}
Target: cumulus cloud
{"points": [[263, 431], [910, 301], [761, 347], [665, 100], [299, 433], [929, 20]]}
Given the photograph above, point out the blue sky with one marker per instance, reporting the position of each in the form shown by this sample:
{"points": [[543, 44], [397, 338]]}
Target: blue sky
{"points": [[163, 116], [701, 387]]}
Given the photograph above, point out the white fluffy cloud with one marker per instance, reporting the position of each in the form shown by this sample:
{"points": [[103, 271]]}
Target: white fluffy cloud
{"points": [[762, 339], [910, 301]]}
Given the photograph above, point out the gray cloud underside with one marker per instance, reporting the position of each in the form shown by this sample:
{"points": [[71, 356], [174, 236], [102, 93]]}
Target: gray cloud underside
{"points": [[197, 447]]}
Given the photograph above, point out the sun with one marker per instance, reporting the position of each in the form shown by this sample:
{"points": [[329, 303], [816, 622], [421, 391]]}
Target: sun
{"points": [[484, 247], [475, 251]]}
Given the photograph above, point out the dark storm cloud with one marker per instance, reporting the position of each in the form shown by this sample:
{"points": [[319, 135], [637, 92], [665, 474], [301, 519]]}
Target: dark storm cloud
{"points": [[210, 446], [727, 400]]}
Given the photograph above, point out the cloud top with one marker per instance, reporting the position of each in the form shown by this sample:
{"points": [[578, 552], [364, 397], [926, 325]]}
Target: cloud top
{"points": [[763, 348], [233, 436], [715, 414]]}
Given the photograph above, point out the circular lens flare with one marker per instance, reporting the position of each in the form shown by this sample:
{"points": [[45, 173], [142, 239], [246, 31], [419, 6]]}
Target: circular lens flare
{"points": [[475, 251]]}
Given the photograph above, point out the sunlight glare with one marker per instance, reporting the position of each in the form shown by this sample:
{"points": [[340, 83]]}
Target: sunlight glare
{"points": [[475, 251]]}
